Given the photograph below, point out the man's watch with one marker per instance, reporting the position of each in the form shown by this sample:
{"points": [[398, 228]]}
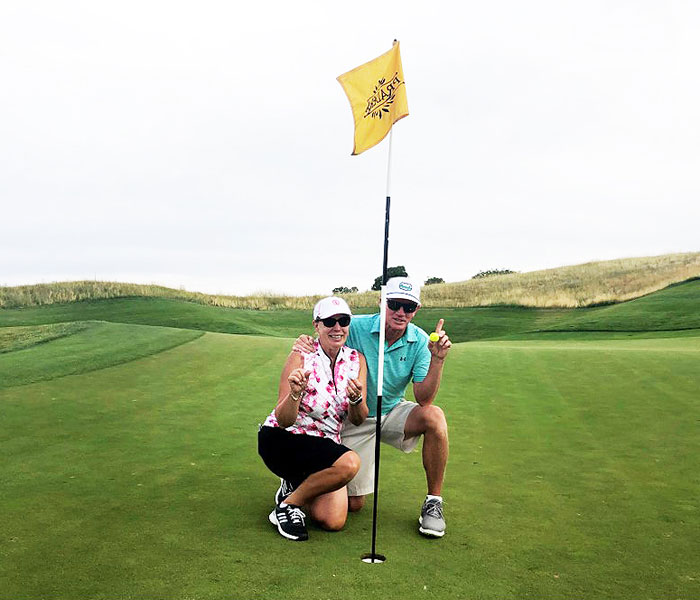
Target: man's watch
{"points": [[356, 401]]}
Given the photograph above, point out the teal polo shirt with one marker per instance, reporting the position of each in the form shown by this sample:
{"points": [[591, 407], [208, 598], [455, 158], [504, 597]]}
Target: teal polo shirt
{"points": [[407, 359]]}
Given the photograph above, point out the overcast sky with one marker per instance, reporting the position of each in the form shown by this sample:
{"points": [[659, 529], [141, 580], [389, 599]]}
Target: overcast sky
{"points": [[206, 145]]}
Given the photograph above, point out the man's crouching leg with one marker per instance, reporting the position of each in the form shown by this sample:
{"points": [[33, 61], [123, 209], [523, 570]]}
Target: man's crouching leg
{"points": [[429, 421]]}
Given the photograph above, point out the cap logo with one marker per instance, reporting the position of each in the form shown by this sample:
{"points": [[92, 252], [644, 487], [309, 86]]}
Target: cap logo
{"points": [[336, 302], [406, 287]]}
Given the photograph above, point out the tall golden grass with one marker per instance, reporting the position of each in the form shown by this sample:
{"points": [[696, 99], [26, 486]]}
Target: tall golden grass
{"points": [[588, 284], [565, 287], [77, 291]]}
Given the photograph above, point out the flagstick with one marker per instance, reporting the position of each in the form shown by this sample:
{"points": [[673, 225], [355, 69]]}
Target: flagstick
{"points": [[374, 557]]}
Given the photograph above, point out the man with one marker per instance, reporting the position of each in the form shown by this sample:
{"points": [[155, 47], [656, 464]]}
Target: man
{"points": [[409, 356]]}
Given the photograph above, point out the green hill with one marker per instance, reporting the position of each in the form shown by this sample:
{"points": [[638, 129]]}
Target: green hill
{"points": [[674, 309], [166, 313], [45, 342]]}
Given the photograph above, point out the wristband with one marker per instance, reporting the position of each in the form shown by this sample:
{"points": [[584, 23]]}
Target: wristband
{"points": [[356, 401]]}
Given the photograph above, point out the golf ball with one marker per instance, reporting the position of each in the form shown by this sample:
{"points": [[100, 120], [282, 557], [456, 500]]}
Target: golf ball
{"points": [[434, 337]]}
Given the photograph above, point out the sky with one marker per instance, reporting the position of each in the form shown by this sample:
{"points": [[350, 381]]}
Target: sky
{"points": [[207, 145]]}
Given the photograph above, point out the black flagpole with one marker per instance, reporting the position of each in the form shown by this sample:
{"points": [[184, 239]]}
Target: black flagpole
{"points": [[373, 557], [377, 444]]}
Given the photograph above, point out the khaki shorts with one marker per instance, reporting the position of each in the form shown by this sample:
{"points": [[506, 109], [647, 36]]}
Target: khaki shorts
{"points": [[360, 438]]}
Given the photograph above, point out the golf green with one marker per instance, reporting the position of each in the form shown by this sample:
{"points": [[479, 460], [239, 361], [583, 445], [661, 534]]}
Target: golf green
{"points": [[574, 473]]}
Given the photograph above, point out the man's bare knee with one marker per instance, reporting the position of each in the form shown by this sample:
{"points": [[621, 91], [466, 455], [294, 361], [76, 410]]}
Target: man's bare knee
{"points": [[432, 420], [355, 503]]}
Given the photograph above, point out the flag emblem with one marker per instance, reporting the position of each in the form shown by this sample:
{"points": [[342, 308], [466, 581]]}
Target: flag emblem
{"points": [[377, 95], [383, 96]]}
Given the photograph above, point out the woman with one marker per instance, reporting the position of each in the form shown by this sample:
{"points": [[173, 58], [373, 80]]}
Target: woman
{"points": [[300, 440]]}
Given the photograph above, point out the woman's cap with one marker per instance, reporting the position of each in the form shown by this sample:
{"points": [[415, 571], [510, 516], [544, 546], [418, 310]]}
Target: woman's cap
{"points": [[331, 306], [402, 288]]}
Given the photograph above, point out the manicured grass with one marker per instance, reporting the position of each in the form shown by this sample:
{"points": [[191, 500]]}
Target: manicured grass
{"points": [[166, 313], [574, 473], [80, 347], [582, 464], [130, 467], [19, 338]]}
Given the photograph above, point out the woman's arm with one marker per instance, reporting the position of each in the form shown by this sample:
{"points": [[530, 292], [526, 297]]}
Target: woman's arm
{"points": [[291, 389], [356, 388]]}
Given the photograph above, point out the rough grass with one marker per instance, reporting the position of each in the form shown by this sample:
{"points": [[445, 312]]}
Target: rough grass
{"points": [[43, 294], [589, 284]]}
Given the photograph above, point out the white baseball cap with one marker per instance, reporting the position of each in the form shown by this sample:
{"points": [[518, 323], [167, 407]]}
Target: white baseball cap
{"points": [[331, 306], [403, 288]]}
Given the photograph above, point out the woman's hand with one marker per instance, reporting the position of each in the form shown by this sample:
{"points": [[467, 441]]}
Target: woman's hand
{"points": [[298, 380], [354, 390], [357, 413]]}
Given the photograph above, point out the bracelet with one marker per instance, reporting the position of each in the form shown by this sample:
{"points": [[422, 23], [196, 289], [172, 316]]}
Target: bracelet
{"points": [[297, 398], [356, 401]]}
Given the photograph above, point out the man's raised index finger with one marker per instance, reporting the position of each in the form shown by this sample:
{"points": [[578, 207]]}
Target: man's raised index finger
{"points": [[438, 327]]}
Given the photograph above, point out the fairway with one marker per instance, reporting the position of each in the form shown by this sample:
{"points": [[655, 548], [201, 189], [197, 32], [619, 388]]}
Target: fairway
{"points": [[573, 473]]}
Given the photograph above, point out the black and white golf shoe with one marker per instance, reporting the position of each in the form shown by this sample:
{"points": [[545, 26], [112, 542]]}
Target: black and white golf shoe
{"points": [[290, 521]]}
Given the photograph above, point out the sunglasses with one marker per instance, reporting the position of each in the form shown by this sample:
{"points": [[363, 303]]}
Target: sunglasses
{"points": [[330, 322], [396, 305]]}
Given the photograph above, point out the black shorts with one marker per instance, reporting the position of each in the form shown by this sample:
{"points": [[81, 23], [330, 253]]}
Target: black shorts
{"points": [[295, 456]]}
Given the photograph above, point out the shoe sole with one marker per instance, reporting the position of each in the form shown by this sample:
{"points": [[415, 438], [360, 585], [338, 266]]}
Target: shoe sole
{"points": [[284, 534], [429, 532]]}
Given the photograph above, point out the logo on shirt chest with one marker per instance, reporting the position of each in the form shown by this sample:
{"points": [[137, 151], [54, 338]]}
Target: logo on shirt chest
{"points": [[403, 359]]}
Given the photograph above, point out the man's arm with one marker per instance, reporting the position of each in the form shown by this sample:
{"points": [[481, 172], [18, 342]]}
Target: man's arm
{"points": [[304, 344], [426, 390]]}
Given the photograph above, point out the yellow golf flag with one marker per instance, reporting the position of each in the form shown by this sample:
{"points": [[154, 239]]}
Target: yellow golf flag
{"points": [[377, 94]]}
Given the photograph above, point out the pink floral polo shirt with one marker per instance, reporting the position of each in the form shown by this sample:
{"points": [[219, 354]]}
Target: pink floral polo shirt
{"points": [[325, 404]]}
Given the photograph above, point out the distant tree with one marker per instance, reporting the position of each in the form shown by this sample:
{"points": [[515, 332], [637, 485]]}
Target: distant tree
{"points": [[432, 280], [345, 290], [399, 271], [490, 272]]}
